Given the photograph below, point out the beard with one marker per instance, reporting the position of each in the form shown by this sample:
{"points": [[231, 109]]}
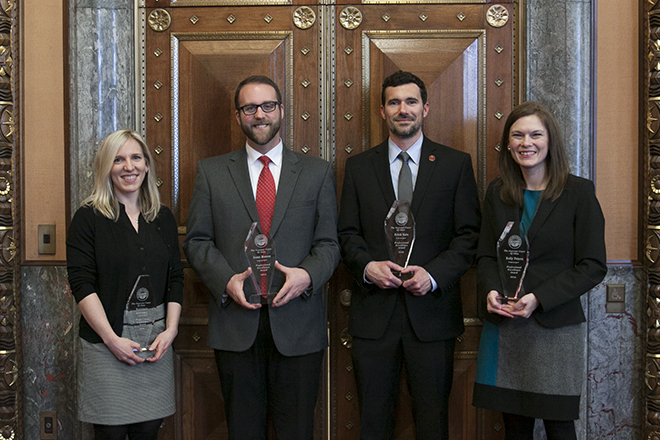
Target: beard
{"points": [[404, 132], [262, 137]]}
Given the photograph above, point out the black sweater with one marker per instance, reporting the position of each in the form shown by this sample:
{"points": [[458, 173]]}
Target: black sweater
{"points": [[106, 257]]}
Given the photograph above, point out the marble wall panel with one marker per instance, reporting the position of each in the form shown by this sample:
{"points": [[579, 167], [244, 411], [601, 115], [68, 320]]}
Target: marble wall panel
{"points": [[102, 83], [49, 320], [615, 364], [558, 71]]}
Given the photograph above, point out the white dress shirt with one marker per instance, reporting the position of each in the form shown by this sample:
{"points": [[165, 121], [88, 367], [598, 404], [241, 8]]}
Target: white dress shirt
{"points": [[255, 165]]}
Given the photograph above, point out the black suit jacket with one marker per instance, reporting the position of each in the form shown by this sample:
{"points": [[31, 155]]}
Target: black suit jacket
{"points": [[445, 207], [567, 251]]}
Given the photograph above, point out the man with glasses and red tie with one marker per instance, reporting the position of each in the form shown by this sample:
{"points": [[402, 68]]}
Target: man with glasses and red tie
{"points": [[268, 353]]}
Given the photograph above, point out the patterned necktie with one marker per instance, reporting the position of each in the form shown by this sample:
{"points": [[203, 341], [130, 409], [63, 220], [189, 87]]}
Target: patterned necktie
{"points": [[265, 196], [405, 179], [265, 206]]}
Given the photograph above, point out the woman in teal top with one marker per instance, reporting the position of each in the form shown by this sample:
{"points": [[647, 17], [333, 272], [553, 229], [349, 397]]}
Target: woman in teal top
{"points": [[531, 351]]}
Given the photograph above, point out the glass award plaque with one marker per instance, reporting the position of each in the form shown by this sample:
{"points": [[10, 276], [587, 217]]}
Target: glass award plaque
{"points": [[400, 235], [512, 261], [260, 254], [141, 314]]}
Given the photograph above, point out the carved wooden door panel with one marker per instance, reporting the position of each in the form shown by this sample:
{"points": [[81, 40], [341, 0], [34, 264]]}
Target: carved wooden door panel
{"points": [[194, 59], [329, 61], [464, 54]]}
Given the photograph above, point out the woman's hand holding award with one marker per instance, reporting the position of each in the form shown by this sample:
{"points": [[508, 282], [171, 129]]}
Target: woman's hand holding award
{"points": [[140, 315]]}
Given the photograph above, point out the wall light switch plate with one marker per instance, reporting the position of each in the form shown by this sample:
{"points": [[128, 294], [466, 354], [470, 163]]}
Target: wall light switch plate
{"points": [[47, 245], [48, 425], [616, 298]]}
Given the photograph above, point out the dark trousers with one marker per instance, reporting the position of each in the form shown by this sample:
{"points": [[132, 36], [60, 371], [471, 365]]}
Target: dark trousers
{"points": [[429, 373], [261, 382], [522, 428], [136, 431]]}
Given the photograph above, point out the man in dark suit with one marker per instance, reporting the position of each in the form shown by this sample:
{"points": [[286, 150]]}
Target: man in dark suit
{"points": [[268, 356], [413, 322]]}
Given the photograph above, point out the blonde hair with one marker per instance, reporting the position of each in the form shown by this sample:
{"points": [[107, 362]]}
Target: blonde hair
{"points": [[103, 197]]}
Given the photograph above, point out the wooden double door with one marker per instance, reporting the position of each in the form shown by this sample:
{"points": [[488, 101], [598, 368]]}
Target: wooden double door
{"points": [[329, 61]]}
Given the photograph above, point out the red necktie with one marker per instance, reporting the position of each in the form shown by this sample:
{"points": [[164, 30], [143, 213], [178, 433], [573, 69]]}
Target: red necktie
{"points": [[265, 206]]}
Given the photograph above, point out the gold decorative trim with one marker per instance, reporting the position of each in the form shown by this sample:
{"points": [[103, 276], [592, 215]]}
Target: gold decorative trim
{"points": [[650, 193], [423, 16], [159, 20], [305, 116], [497, 16], [498, 114], [385, 17], [345, 297], [158, 149], [268, 18], [194, 19], [159, 182], [348, 50], [424, 2], [304, 50], [158, 52], [158, 117], [304, 17], [231, 18], [305, 83], [350, 18], [305, 149], [158, 85], [348, 116], [348, 149], [187, 3], [348, 83], [461, 16], [499, 49], [499, 82]]}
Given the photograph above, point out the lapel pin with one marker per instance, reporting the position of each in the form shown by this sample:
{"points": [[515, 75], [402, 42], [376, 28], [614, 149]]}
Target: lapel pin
{"points": [[431, 158]]}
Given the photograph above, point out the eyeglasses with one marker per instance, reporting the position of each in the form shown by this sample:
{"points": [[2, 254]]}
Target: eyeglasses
{"points": [[266, 107]]}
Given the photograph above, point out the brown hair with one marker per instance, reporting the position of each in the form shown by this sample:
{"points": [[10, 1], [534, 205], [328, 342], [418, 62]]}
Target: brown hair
{"points": [[512, 182], [257, 79]]}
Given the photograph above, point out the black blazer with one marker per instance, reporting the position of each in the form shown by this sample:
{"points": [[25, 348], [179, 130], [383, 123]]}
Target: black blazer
{"points": [[445, 207], [567, 251]]}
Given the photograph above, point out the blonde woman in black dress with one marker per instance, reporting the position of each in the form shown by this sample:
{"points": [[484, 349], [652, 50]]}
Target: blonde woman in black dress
{"points": [[121, 232]]}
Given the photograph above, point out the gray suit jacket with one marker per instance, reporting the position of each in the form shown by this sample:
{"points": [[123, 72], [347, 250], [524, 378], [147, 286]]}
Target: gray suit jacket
{"points": [[304, 234]]}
